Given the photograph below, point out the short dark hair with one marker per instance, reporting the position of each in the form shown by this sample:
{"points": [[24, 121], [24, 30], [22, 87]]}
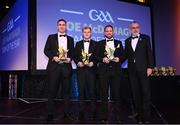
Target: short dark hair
{"points": [[108, 26], [134, 21], [62, 20], [86, 27]]}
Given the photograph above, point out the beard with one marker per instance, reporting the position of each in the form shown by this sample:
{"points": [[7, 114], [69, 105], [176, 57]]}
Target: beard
{"points": [[109, 37]]}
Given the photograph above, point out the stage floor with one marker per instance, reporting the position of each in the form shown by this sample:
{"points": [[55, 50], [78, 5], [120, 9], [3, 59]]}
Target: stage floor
{"points": [[34, 112]]}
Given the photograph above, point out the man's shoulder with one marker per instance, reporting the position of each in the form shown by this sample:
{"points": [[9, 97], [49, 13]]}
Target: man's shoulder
{"points": [[144, 36], [53, 35], [93, 42], [69, 37], [128, 39], [79, 42], [117, 41], [101, 41]]}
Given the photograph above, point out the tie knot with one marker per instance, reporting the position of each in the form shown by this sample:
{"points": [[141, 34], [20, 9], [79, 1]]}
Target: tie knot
{"points": [[109, 40], [134, 37], [62, 35]]}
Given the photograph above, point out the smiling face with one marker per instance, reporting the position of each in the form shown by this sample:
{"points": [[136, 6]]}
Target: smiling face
{"points": [[86, 33], [108, 32], [61, 26], [134, 29]]}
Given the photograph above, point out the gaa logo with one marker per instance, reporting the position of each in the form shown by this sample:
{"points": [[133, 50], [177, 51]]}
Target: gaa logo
{"points": [[100, 15]]}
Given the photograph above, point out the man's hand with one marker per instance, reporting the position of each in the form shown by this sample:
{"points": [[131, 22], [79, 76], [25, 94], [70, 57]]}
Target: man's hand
{"points": [[116, 59], [106, 60], [91, 64], [56, 59], [80, 64], [149, 71], [68, 60]]}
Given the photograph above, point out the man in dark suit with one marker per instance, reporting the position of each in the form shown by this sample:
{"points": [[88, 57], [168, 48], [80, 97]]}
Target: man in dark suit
{"points": [[140, 63], [59, 49], [109, 68], [86, 69]]}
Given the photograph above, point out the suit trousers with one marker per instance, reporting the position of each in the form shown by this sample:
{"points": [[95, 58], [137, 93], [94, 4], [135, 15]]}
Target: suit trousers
{"points": [[140, 86], [86, 87], [59, 76], [109, 79]]}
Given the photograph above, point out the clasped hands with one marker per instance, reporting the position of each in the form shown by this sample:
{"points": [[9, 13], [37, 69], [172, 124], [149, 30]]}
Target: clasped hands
{"points": [[57, 59], [107, 60]]}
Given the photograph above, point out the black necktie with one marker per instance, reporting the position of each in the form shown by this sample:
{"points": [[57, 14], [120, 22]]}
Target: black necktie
{"points": [[134, 37], [62, 35], [109, 40]]}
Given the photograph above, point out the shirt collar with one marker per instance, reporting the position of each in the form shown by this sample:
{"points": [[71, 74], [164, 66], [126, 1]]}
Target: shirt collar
{"points": [[137, 35]]}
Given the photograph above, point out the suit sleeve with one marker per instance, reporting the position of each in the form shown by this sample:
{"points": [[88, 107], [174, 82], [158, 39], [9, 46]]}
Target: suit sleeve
{"points": [[149, 54], [47, 49]]}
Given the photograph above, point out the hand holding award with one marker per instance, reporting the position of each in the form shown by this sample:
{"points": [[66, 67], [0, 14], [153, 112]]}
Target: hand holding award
{"points": [[85, 57], [110, 52], [62, 55]]}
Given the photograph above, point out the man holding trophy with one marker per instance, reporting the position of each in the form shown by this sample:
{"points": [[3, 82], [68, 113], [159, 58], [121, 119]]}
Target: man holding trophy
{"points": [[109, 69], [86, 62], [59, 49]]}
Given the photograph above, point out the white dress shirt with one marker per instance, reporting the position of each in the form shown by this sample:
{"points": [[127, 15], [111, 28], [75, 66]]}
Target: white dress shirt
{"points": [[134, 43], [110, 43], [86, 46], [62, 41]]}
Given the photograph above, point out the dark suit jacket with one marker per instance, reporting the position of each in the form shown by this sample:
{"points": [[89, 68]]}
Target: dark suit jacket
{"points": [[143, 54], [92, 49], [101, 54], [51, 50]]}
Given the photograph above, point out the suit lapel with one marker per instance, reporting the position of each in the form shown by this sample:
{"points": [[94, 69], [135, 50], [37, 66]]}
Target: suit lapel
{"points": [[138, 43], [90, 47], [104, 45], [130, 45], [68, 45], [115, 43]]}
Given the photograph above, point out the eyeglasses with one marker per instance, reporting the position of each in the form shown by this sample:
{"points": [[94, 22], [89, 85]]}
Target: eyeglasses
{"points": [[135, 27]]}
